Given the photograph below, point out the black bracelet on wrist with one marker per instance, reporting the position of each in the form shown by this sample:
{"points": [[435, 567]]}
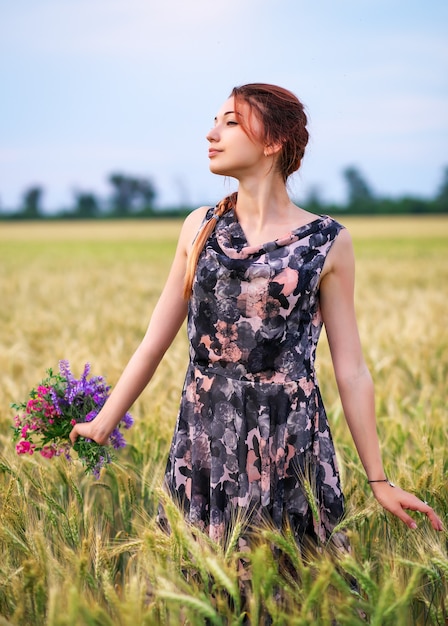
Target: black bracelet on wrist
{"points": [[383, 480]]}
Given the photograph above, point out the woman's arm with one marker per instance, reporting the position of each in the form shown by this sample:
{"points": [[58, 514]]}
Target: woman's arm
{"points": [[165, 322], [354, 381]]}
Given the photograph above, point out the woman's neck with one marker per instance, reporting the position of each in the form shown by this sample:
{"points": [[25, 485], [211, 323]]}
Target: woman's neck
{"points": [[263, 201], [265, 211]]}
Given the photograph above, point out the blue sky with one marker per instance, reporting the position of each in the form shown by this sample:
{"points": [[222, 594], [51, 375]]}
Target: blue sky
{"points": [[94, 86]]}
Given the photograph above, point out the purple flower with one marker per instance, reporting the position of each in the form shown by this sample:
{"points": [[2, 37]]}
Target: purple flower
{"points": [[128, 420], [64, 368], [97, 469], [116, 439], [91, 416], [55, 400], [60, 401]]}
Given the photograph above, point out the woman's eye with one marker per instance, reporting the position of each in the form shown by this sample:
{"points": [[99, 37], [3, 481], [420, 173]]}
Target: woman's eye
{"points": [[232, 123]]}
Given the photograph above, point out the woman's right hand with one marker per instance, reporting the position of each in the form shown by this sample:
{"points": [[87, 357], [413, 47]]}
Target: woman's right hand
{"points": [[89, 430]]}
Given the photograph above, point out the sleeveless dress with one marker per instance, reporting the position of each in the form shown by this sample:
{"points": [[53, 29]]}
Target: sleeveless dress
{"points": [[252, 434]]}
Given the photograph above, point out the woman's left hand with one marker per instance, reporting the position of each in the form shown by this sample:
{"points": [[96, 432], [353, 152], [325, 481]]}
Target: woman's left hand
{"points": [[397, 501]]}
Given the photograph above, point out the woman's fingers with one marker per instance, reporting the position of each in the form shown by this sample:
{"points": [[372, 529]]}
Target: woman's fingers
{"points": [[435, 520], [423, 507], [74, 434], [400, 501], [82, 430]]}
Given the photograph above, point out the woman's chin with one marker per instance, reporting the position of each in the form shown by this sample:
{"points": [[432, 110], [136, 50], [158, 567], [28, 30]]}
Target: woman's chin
{"points": [[219, 170]]}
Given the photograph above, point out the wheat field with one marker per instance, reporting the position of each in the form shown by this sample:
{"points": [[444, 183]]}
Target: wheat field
{"points": [[76, 551]]}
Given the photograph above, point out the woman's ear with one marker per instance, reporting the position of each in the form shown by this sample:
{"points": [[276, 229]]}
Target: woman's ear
{"points": [[272, 149]]}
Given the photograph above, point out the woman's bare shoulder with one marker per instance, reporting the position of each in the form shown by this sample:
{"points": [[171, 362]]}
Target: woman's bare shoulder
{"points": [[341, 254], [192, 224], [343, 242], [196, 217]]}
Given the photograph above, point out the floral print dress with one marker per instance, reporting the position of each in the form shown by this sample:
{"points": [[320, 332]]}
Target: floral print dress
{"points": [[252, 429]]}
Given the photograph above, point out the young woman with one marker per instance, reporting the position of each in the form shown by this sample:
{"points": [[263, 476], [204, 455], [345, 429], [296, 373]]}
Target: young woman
{"points": [[258, 276]]}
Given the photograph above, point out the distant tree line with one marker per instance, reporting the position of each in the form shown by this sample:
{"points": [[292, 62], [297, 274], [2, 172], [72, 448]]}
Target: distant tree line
{"points": [[361, 200], [132, 196]]}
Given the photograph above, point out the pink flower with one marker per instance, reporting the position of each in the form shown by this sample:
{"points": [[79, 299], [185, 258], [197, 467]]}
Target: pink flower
{"points": [[53, 407], [48, 452], [24, 447]]}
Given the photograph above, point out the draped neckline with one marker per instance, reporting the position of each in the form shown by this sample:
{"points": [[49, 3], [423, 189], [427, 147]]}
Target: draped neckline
{"points": [[233, 242]]}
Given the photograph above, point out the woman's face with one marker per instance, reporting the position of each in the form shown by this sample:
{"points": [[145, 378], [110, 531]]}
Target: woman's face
{"points": [[233, 151]]}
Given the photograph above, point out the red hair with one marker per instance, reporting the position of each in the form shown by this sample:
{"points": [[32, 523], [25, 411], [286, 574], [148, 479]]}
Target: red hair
{"points": [[283, 121], [223, 207]]}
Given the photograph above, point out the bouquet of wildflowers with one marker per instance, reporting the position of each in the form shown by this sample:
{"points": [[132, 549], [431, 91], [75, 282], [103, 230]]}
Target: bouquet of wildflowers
{"points": [[43, 423]]}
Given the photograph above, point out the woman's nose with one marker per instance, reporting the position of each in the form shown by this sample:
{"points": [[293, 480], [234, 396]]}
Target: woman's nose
{"points": [[212, 135]]}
